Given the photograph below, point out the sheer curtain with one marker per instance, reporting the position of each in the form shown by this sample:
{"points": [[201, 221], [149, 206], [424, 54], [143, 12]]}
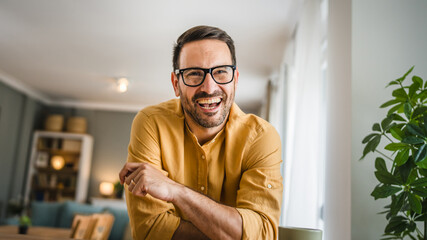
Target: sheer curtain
{"points": [[300, 89]]}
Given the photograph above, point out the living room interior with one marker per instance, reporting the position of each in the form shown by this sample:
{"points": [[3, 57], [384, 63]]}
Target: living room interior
{"points": [[316, 69]]}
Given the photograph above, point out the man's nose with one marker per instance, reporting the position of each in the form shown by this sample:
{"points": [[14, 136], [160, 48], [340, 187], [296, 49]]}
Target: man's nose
{"points": [[209, 85]]}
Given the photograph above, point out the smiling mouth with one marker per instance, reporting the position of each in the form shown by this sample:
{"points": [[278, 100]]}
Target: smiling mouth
{"points": [[209, 103]]}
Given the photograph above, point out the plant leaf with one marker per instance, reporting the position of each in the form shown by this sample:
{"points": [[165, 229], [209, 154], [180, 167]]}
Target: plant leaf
{"points": [[396, 117], [389, 103], [369, 137], [421, 154], [412, 176], [407, 109], [415, 203], [394, 109], [414, 129], [418, 111], [384, 191], [421, 218], [412, 140], [420, 191], [421, 182], [402, 157], [396, 146], [376, 127], [405, 171], [394, 82], [396, 224], [397, 133], [380, 164], [397, 203], [372, 145], [385, 123], [406, 74], [387, 178], [422, 163], [400, 93], [413, 89], [418, 80], [423, 172]]}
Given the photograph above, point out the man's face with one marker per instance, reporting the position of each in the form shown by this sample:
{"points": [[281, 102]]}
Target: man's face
{"points": [[207, 105]]}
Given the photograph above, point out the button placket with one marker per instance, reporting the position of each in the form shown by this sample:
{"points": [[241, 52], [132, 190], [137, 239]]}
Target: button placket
{"points": [[202, 179]]}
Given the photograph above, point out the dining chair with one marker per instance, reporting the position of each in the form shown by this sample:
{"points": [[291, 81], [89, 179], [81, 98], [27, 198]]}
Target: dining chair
{"points": [[294, 233]]}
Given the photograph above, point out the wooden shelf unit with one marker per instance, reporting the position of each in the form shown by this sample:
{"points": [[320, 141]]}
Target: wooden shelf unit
{"points": [[44, 183]]}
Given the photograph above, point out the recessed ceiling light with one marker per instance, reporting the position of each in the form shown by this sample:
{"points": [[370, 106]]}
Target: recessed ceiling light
{"points": [[122, 85]]}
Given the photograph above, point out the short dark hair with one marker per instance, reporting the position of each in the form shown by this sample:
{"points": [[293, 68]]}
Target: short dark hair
{"points": [[201, 33]]}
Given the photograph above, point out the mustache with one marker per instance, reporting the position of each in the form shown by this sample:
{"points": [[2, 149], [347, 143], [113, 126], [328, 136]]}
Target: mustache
{"points": [[216, 93]]}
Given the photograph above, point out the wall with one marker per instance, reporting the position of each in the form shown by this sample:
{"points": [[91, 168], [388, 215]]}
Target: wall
{"points": [[18, 115], [388, 37], [110, 131], [337, 214]]}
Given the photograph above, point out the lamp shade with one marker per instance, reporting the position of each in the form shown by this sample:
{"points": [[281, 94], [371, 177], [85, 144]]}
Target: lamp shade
{"points": [[106, 188]]}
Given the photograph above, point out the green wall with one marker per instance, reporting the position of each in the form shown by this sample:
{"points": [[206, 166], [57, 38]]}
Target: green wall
{"points": [[18, 115]]}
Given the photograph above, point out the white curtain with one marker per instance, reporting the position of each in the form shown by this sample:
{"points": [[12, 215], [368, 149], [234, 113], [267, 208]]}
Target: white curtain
{"points": [[304, 122]]}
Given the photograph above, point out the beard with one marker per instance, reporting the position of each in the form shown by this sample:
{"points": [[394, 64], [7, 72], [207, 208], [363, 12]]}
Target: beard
{"points": [[210, 119]]}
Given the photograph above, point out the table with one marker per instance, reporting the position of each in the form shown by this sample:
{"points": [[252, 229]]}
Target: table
{"points": [[11, 232]]}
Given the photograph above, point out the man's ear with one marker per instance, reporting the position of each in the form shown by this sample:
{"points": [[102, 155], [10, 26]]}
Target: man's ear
{"points": [[174, 80], [236, 77]]}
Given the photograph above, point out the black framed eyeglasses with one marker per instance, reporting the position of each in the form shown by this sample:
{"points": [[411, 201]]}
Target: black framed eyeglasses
{"points": [[194, 77]]}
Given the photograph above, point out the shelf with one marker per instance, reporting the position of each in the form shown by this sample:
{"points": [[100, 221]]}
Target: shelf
{"points": [[58, 151], [45, 183], [63, 171], [55, 189]]}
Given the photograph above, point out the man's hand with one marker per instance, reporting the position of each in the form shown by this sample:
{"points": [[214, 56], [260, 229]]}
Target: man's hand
{"points": [[143, 178]]}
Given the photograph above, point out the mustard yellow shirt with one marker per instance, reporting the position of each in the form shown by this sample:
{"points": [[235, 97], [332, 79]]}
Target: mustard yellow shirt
{"points": [[240, 168]]}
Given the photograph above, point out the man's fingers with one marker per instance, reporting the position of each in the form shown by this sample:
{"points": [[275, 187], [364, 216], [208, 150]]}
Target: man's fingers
{"points": [[127, 169]]}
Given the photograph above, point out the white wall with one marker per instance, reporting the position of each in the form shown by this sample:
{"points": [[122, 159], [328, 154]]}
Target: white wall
{"points": [[388, 37], [338, 128]]}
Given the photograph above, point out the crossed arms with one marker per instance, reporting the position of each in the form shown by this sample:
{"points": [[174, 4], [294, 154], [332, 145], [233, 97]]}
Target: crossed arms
{"points": [[211, 220]]}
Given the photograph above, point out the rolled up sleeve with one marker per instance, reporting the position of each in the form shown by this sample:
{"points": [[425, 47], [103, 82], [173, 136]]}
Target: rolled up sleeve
{"points": [[149, 218], [260, 190]]}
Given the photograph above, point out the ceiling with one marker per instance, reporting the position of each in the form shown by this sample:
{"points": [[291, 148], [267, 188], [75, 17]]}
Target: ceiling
{"points": [[69, 52]]}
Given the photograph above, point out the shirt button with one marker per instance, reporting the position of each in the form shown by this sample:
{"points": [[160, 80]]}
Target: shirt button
{"points": [[202, 188], [203, 156], [269, 185]]}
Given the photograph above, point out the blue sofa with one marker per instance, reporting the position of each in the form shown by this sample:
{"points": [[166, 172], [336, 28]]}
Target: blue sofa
{"points": [[60, 214]]}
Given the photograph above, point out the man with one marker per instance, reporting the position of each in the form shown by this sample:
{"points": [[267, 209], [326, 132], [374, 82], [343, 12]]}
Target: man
{"points": [[198, 167]]}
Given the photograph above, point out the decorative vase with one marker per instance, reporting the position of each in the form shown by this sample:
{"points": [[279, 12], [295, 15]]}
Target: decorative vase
{"points": [[22, 229]]}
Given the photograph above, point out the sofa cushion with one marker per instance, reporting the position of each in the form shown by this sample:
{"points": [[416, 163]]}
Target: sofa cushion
{"points": [[71, 208], [121, 220], [45, 213]]}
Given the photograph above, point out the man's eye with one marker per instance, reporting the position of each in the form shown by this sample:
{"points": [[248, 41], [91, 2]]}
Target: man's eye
{"points": [[194, 74]]}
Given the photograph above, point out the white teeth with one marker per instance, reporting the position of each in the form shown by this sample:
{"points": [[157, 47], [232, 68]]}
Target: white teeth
{"points": [[209, 100]]}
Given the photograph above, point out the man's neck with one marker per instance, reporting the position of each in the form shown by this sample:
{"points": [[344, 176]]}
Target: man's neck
{"points": [[203, 134]]}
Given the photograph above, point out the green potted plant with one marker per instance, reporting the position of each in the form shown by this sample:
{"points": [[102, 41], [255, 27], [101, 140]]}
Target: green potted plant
{"points": [[24, 224], [404, 180], [118, 189]]}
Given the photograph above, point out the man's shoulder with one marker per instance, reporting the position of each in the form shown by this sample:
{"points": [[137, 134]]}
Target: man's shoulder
{"points": [[164, 109], [240, 121]]}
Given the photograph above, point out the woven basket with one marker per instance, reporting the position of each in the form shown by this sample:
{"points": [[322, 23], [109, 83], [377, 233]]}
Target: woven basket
{"points": [[76, 125], [54, 122]]}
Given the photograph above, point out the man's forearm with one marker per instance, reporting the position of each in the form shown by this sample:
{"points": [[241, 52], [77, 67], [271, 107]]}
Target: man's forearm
{"points": [[186, 230], [215, 220]]}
